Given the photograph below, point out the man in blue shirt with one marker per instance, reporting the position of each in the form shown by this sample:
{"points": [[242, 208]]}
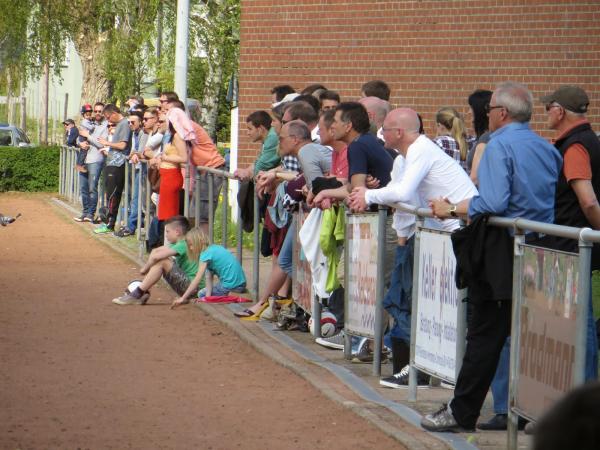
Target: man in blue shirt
{"points": [[518, 176]]}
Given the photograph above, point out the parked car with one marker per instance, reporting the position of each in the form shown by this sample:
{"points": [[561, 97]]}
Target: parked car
{"points": [[13, 136]]}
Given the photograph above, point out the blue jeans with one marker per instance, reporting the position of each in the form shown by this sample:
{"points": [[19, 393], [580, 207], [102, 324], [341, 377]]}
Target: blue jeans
{"points": [[88, 188], [398, 299], [133, 209], [218, 290], [286, 252], [500, 381]]}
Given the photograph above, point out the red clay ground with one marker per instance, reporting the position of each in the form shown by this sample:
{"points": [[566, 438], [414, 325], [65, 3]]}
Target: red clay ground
{"points": [[80, 372]]}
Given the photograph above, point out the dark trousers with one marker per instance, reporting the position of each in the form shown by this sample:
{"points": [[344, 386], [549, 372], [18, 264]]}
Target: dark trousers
{"points": [[114, 181], [489, 326]]}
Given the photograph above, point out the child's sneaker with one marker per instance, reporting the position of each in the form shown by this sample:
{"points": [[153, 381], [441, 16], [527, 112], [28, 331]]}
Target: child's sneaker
{"points": [[129, 299], [102, 229]]}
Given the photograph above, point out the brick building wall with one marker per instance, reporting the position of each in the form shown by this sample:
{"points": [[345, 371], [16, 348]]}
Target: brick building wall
{"points": [[432, 53]]}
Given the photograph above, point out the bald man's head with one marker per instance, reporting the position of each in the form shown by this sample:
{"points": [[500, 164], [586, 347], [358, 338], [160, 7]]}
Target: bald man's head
{"points": [[377, 108], [404, 118]]}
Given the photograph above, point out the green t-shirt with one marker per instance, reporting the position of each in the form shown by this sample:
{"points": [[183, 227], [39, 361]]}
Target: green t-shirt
{"points": [[189, 267], [268, 157]]}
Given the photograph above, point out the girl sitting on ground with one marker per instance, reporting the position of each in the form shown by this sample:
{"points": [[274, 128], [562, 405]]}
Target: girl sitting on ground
{"points": [[219, 261]]}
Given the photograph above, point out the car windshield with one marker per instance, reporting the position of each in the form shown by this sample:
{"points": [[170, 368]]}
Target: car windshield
{"points": [[5, 137]]}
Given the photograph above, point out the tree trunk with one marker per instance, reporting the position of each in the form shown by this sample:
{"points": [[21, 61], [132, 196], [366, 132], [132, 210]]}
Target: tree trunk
{"points": [[44, 110], [210, 93], [10, 106], [95, 85]]}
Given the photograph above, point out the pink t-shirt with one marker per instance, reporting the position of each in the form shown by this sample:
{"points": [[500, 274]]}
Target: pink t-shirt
{"points": [[339, 163]]}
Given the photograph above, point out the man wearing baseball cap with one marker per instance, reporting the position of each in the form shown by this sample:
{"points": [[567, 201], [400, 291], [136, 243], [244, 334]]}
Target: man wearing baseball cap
{"points": [[578, 188], [71, 133]]}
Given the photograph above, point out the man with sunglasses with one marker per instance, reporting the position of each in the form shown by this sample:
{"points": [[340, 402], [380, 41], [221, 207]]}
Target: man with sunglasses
{"points": [[94, 162], [517, 178], [138, 138], [578, 187]]}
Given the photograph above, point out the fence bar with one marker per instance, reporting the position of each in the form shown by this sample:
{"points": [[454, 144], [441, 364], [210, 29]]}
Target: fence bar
{"points": [[197, 197], [255, 254], [61, 170], [186, 187], [412, 371], [218, 172], [347, 337], [239, 235], [379, 291], [515, 345], [224, 211], [211, 208], [140, 197], [583, 298]]}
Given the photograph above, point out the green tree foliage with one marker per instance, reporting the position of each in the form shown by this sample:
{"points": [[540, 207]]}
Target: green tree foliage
{"points": [[116, 40]]}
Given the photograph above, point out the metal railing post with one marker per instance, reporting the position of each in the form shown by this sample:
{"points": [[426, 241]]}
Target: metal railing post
{"points": [[61, 168], [515, 345], [583, 298], [224, 211], [255, 254], [186, 187], [347, 337], [148, 218], [211, 208], [197, 197], [239, 235], [72, 159], [412, 371], [379, 291], [138, 183]]}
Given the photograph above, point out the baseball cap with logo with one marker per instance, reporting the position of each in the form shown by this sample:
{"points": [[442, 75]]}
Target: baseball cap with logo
{"points": [[569, 97], [87, 108]]}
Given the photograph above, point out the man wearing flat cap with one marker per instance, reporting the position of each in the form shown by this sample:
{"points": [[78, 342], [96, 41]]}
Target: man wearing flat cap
{"points": [[578, 187]]}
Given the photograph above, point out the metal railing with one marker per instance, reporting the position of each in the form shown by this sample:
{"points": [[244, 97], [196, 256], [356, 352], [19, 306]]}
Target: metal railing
{"points": [[69, 188]]}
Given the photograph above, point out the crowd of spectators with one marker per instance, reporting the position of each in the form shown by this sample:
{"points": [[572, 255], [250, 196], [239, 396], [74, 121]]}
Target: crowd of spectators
{"points": [[318, 152]]}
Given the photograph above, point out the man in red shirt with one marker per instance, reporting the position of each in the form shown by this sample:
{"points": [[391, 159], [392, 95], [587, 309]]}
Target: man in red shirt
{"points": [[578, 187]]}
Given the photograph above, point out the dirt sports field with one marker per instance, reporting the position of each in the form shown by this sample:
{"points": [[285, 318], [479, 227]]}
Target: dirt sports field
{"points": [[80, 372]]}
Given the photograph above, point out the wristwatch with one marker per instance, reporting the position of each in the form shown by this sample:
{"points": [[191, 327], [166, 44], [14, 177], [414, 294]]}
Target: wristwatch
{"points": [[452, 210]]}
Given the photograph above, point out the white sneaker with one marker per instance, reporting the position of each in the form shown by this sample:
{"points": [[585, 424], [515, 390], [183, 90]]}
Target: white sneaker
{"points": [[335, 342]]}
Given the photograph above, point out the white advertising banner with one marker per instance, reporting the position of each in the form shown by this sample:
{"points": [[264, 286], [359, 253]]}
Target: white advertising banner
{"points": [[437, 312], [302, 290], [361, 241]]}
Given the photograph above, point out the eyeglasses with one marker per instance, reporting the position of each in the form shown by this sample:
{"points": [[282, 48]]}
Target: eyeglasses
{"points": [[489, 107], [384, 129], [552, 105], [132, 123], [283, 137]]}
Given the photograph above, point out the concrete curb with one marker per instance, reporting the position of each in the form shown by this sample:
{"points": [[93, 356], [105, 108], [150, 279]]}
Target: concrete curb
{"points": [[279, 344]]}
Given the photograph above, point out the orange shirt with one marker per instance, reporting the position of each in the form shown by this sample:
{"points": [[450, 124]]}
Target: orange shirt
{"points": [[576, 161]]}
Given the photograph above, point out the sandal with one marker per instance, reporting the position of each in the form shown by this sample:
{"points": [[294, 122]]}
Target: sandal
{"points": [[248, 314]]}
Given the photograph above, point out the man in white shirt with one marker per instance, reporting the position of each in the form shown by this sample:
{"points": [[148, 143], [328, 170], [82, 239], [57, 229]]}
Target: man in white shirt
{"points": [[429, 172], [422, 172]]}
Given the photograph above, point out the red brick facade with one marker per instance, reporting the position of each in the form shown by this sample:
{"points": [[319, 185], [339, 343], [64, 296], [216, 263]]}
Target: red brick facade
{"points": [[432, 53]]}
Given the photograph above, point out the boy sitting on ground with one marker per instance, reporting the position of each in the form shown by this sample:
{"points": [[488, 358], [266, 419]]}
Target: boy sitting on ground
{"points": [[219, 261], [178, 272]]}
